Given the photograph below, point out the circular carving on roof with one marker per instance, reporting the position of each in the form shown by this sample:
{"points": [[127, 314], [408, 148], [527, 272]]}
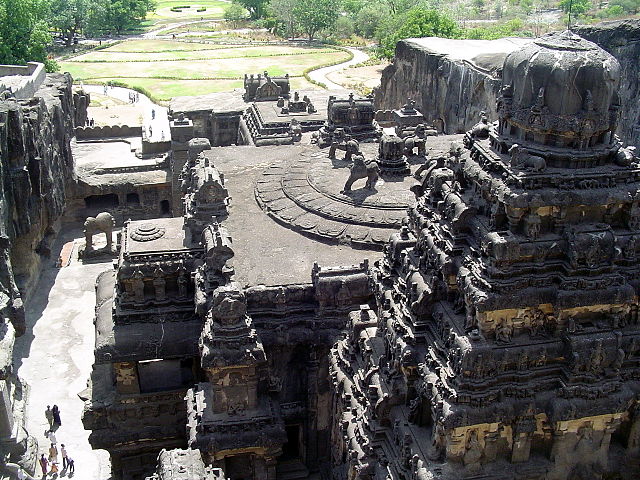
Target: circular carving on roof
{"points": [[147, 232], [565, 41], [306, 195]]}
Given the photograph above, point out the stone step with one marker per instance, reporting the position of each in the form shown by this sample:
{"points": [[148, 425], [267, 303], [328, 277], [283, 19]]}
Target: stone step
{"points": [[291, 470]]}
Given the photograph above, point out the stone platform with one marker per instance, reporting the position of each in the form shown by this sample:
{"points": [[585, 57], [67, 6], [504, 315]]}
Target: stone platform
{"points": [[305, 195]]}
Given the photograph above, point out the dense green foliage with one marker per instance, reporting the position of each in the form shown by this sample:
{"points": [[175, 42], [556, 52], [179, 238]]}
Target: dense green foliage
{"points": [[417, 22], [578, 7], [70, 17], [316, 15], [256, 8], [511, 28], [234, 13], [117, 16], [24, 32]]}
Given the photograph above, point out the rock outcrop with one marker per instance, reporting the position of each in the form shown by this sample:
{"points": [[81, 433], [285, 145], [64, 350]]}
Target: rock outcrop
{"points": [[452, 81], [622, 40], [36, 168]]}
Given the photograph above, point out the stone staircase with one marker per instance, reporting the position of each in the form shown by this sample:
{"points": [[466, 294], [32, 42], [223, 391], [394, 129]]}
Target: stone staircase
{"points": [[291, 470]]}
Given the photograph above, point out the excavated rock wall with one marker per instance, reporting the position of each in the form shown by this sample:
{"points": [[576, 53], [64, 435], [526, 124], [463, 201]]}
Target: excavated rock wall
{"points": [[622, 40], [453, 92], [450, 92], [36, 168]]}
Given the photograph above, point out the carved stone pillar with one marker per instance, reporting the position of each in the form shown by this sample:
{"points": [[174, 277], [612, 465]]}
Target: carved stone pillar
{"points": [[521, 447], [159, 285], [270, 465]]}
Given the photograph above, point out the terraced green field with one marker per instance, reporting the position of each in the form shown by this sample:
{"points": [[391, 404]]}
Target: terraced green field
{"points": [[169, 68]]}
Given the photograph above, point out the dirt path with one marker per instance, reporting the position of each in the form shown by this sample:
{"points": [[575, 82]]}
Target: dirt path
{"points": [[320, 75], [154, 117]]}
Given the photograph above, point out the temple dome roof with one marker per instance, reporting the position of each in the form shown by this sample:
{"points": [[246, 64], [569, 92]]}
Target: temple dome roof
{"points": [[576, 75]]}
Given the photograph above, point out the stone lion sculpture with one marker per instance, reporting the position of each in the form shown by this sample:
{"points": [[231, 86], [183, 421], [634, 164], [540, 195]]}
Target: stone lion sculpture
{"points": [[521, 158], [362, 169], [103, 222]]}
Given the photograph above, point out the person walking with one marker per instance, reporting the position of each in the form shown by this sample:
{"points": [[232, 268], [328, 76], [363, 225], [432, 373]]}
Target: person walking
{"points": [[52, 437], [44, 464], [71, 464], [53, 454], [49, 414], [54, 469], [56, 416], [63, 452]]}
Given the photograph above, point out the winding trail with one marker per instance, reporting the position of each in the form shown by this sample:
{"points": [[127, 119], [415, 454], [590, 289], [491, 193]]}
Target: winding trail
{"points": [[320, 75]]}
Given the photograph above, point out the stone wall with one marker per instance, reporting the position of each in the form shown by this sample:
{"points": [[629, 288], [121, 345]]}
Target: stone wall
{"points": [[36, 167], [22, 81], [622, 40]]}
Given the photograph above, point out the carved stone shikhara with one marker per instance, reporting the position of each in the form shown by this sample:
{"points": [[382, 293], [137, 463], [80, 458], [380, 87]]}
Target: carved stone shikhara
{"points": [[505, 339]]}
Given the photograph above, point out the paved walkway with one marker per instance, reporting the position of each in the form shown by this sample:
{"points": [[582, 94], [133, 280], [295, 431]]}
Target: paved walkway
{"points": [[320, 75], [154, 117], [55, 356]]}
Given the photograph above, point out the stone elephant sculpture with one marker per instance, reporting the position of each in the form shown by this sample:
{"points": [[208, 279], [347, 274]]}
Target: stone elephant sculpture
{"points": [[103, 222], [361, 169]]}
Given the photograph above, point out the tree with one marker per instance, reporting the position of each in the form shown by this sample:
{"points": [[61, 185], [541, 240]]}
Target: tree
{"points": [[117, 15], [417, 22], [234, 13], [627, 6], [256, 8], [283, 10], [316, 15], [24, 32], [578, 7], [367, 20], [343, 27], [70, 17]]}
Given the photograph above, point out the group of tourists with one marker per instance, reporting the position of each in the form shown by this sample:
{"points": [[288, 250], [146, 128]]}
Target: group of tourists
{"points": [[49, 464]]}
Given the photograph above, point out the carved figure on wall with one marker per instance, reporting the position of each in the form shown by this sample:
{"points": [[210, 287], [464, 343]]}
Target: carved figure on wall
{"points": [[137, 283], [362, 169], [520, 158], [473, 451], [596, 359], [103, 222], [182, 283], [504, 332]]}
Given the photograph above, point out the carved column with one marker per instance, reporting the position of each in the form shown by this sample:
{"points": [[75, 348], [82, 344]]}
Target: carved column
{"points": [[521, 447]]}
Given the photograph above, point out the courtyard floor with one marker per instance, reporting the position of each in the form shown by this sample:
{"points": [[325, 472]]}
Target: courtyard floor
{"points": [[55, 355]]}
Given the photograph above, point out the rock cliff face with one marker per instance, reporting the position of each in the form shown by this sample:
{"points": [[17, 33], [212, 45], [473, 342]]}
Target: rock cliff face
{"points": [[622, 40], [36, 168], [453, 80]]}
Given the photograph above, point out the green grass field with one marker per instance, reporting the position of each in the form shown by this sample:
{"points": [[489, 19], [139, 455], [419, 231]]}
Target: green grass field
{"points": [[169, 68], [214, 9]]}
